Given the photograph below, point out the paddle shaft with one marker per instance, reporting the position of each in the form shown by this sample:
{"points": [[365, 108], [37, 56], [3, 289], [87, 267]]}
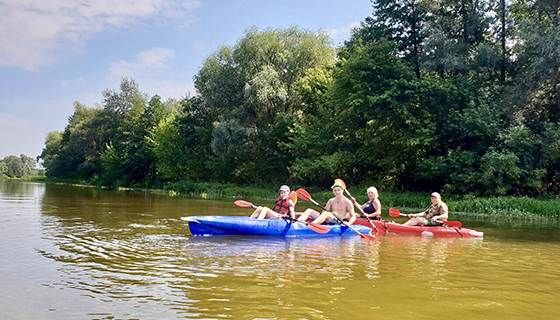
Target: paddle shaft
{"points": [[361, 210], [313, 227], [340, 221], [395, 213]]}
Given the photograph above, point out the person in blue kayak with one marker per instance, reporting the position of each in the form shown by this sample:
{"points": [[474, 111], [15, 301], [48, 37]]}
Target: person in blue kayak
{"points": [[435, 215], [338, 206], [284, 207], [372, 207]]}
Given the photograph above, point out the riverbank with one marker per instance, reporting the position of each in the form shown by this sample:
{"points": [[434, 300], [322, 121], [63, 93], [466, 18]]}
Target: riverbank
{"points": [[506, 209]]}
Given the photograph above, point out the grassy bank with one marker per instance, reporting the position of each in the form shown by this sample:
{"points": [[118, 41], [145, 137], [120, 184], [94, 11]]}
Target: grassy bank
{"points": [[33, 178], [506, 208], [467, 206]]}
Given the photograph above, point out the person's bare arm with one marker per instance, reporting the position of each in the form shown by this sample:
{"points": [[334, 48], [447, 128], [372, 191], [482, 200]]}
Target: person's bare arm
{"points": [[352, 213], [292, 209]]}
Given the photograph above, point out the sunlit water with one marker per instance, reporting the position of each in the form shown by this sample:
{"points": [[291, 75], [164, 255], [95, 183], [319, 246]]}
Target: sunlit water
{"points": [[81, 253]]}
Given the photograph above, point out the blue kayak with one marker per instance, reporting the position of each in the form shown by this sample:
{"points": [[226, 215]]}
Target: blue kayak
{"points": [[235, 225]]}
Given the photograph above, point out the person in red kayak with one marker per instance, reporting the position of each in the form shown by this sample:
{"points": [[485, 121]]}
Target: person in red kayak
{"points": [[435, 215], [338, 205], [284, 207], [372, 208]]}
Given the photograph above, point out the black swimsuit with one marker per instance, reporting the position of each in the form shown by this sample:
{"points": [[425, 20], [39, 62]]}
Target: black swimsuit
{"points": [[369, 208]]}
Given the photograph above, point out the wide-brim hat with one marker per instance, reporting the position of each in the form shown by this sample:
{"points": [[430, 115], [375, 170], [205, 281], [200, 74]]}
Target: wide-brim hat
{"points": [[338, 183]]}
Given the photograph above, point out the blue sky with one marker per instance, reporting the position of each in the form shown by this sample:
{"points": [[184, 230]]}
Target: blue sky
{"points": [[55, 52]]}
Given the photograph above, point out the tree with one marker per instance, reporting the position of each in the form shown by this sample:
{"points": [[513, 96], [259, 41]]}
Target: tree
{"points": [[401, 21], [376, 126], [17, 167], [253, 87], [51, 151]]}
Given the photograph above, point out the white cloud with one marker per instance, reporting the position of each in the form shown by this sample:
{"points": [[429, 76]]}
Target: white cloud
{"points": [[34, 32], [145, 62], [341, 33], [150, 70]]}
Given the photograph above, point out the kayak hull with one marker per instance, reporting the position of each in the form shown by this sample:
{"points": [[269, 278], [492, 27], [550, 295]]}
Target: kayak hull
{"points": [[386, 227], [235, 225]]}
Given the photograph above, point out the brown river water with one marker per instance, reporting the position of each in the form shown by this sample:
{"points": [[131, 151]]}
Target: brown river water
{"points": [[81, 253]]}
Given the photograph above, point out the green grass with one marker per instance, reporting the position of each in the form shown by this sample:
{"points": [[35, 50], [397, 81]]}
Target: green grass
{"points": [[503, 206]]}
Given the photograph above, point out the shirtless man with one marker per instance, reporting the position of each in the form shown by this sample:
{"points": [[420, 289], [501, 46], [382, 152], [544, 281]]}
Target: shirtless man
{"points": [[338, 205]]}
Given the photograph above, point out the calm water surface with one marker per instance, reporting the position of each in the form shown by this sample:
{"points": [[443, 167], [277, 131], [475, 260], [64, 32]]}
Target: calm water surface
{"points": [[80, 253]]}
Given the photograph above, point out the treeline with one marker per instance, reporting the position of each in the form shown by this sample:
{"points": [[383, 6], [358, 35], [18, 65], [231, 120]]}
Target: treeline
{"points": [[18, 166], [459, 96]]}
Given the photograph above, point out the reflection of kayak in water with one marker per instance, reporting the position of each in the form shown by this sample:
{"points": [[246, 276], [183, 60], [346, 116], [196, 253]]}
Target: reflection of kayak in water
{"points": [[385, 227], [228, 225]]}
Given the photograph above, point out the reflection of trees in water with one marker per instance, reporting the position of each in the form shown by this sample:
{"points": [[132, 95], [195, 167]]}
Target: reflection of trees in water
{"points": [[133, 213], [18, 189], [271, 277], [118, 247], [125, 250]]}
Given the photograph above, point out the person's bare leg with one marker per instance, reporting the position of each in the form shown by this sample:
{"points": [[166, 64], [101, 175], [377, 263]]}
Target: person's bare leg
{"points": [[322, 217], [414, 222], [266, 213], [308, 213], [256, 213]]}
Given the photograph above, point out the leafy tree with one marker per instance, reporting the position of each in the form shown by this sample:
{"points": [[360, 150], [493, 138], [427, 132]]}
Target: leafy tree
{"points": [[51, 151], [252, 92], [403, 22], [77, 154], [17, 167], [164, 140], [3, 169], [377, 126]]}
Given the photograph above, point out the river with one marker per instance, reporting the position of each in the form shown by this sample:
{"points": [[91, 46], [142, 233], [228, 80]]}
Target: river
{"points": [[82, 253]]}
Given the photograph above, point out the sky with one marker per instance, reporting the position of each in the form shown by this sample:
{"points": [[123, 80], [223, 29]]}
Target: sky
{"points": [[56, 52]]}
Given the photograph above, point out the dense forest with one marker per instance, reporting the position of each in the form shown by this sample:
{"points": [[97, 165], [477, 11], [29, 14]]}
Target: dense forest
{"points": [[458, 95]]}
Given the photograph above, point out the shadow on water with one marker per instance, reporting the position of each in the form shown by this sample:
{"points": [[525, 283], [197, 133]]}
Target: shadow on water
{"points": [[15, 188]]}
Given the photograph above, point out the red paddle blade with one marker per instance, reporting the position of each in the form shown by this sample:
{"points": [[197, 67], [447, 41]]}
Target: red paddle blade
{"points": [[318, 228], [293, 196], [454, 224], [394, 212], [302, 194], [243, 204]]}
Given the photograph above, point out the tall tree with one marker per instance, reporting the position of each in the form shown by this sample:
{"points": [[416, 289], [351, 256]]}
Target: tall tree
{"points": [[401, 21], [252, 89]]}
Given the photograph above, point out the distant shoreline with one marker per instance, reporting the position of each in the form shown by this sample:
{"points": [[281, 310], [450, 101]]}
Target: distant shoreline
{"points": [[508, 210]]}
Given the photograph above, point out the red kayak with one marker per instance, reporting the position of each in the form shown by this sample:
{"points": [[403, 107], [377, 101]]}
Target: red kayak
{"points": [[389, 227]]}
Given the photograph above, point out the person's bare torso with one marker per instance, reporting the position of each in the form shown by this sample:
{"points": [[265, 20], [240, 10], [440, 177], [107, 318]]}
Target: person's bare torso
{"points": [[341, 207]]}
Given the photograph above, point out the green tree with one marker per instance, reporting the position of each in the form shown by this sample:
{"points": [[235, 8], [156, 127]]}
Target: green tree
{"points": [[3, 169], [51, 151], [253, 87], [17, 167], [376, 127], [403, 21], [77, 154]]}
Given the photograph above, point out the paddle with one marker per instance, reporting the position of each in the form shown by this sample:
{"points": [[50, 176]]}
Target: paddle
{"points": [[348, 193], [304, 195], [315, 227], [395, 213]]}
